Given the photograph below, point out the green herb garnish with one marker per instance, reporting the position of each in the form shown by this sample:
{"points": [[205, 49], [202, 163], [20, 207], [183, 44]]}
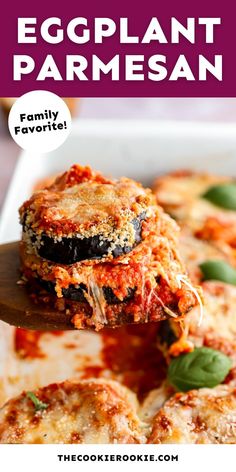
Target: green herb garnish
{"points": [[39, 406], [204, 367], [223, 195], [218, 270]]}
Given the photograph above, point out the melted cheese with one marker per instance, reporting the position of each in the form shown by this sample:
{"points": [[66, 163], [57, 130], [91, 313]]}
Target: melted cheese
{"points": [[102, 411], [204, 416], [218, 329], [87, 205], [195, 251], [208, 232], [90, 201], [156, 257], [180, 194], [93, 411]]}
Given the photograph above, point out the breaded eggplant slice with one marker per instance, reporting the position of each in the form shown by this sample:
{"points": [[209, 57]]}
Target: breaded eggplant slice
{"points": [[204, 416], [78, 293], [84, 216], [139, 287], [72, 412]]}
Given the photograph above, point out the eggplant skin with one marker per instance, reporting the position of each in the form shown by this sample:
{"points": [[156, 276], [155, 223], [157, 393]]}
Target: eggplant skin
{"points": [[71, 250], [77, 293], [112, 299], [166, 333]]}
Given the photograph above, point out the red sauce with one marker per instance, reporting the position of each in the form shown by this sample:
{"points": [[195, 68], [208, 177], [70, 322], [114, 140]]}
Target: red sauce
{"points": [[132, 352], [216, 229], [231, 376], [26, 343], [78, 174], [70, 345], [92, 371]]}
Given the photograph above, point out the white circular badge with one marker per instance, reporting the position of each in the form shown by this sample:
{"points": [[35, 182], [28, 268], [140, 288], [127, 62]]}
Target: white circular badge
{"points": [[39, 121]]}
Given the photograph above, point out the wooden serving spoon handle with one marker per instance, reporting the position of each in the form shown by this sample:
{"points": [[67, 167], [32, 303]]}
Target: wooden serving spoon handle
{"points": [[16, 307]]}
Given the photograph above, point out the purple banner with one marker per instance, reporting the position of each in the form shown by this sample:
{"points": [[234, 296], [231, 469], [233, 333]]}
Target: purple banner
{"points": [[144, 49]]}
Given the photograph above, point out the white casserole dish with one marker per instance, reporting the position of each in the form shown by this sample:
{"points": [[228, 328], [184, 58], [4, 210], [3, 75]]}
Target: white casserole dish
{"points": [[137, 149]]}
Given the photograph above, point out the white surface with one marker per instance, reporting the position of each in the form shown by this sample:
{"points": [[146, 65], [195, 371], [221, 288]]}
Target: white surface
{"points": [[138, 149], [150, 457]]}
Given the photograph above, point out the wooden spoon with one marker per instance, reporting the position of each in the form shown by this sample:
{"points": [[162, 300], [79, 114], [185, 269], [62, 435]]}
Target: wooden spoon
{"points": [[16, 307]]}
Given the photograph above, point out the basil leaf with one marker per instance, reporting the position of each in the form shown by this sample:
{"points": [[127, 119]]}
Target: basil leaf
{"points": [[218, 270], [37, 403], [223, 195], [204, 367]]}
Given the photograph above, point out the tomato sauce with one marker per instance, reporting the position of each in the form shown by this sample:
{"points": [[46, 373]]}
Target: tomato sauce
{"points": [[132, 352], [26, 343]]}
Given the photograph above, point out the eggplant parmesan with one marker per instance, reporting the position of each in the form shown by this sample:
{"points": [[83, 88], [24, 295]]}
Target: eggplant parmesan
{"points": [[131, 277], [204, 416], [205, 207], [195, 251], [82, 412], [218, 327], [134, 281], [84, 216], [103, 411], [181, 194], [205, 203]]}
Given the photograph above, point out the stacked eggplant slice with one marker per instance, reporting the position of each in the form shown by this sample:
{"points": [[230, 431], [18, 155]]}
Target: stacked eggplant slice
{"points": [[102, 251]]}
